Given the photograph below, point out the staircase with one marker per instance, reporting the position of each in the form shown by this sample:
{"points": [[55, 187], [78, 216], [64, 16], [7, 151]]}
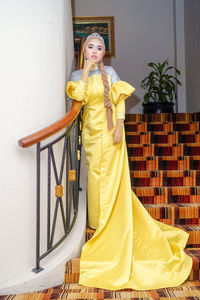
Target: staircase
{"points": [[164, 159]]}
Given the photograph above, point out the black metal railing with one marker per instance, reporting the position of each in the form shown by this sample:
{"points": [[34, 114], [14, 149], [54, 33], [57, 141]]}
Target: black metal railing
{"points": [[65, 172]]}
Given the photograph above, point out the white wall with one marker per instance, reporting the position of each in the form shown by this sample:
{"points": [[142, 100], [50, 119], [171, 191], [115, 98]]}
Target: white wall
{"points": [[36, 57], [192, 46], [144, 32]]}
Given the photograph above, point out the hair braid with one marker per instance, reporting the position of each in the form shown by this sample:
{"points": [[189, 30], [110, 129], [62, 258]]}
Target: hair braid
{"points": [[107, 102]]}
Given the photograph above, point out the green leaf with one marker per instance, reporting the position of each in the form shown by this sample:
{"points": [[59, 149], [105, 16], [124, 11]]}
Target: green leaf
{"points": [[146, 97], [169, 68], [178, 72], [163, 65], [154, 66]]}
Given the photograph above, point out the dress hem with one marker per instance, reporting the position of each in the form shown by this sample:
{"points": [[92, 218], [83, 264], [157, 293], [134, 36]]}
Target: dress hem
{"points": [[101, 285]]}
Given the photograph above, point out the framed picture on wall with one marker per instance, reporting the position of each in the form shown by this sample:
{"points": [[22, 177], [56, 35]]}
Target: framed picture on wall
{"points": [[84, 26]]}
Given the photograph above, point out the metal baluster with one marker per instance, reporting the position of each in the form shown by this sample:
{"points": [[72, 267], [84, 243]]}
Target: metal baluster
{"points": [[70, 183], [38, 268], [49, 200], [67, 186]]}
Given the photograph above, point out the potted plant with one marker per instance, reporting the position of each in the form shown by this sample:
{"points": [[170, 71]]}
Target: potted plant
{"points": [[161, 88]]}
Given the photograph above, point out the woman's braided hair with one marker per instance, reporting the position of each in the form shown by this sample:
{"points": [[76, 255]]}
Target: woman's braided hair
{"points": [[107, 102]]}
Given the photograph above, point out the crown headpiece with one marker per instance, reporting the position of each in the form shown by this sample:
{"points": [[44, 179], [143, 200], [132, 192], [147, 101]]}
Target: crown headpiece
{"points": [[95, 35]]}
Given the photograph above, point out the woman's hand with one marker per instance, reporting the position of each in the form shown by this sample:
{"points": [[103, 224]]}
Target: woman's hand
{"points": [[88, 64], [117, 137]]}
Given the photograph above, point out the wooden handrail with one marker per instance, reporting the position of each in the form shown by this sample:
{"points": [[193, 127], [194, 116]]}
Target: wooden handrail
{"points": [[44, 133], [52, 129]]}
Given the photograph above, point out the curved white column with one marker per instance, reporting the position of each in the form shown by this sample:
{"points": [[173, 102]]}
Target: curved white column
{"points": [[36, 58]]}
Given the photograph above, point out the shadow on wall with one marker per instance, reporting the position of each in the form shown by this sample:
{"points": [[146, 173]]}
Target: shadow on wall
{"points": [[107, 61], [131, 102]]}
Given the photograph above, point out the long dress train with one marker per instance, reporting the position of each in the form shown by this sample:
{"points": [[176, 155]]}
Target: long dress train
{"points": [[129, 248]]}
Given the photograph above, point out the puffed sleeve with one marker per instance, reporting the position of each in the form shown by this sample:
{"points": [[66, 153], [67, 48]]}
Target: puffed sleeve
{"points": [[76, 88], [120, 91]]}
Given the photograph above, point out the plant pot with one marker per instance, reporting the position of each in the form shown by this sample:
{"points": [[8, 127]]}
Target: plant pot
{"points": [[158, 107]]}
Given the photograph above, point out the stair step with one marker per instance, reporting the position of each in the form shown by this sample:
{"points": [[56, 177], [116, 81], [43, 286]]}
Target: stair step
{"points": [[152, 150], [169, 199], [89, 233], [163, 173], [72, 267], [163, 117], [168, 195], [194, 232], [150, 163], [162, 138], [165, 182], [167, 191], [195, 272], [162, 178], [175, 213], [162, 127]]}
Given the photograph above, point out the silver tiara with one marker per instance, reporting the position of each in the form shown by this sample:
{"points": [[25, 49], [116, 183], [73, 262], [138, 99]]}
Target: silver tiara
{"points": [[95, 35]]}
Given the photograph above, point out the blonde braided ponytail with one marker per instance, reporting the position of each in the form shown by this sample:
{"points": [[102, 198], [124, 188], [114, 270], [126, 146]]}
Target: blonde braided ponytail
{"points": [[107, 102]]}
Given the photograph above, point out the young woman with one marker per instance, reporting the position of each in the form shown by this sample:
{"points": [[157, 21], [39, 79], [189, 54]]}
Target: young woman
{"points": [[129, 248]]}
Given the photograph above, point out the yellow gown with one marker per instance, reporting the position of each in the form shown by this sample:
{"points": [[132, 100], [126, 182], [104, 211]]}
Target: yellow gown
{"points": [[129, 248]]}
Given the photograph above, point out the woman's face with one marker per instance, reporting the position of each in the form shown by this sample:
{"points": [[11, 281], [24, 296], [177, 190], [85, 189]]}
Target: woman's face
{"points": [[94, 50]]}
